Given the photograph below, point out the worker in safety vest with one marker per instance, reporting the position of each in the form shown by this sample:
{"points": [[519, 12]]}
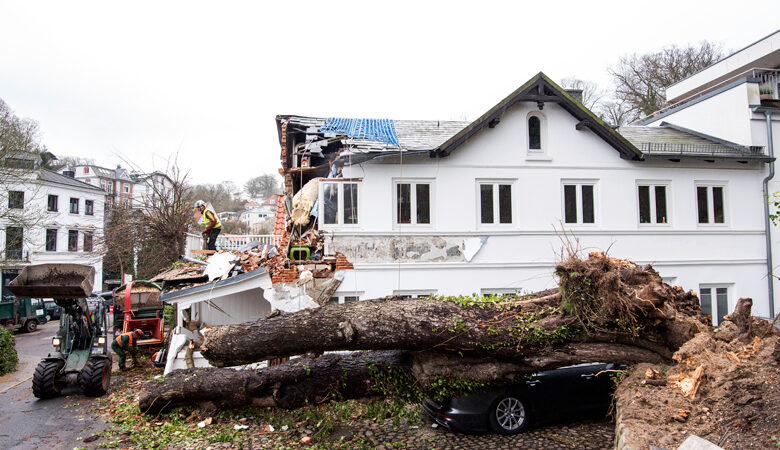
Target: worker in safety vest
{"points": [[213, 225], [123, 343]]}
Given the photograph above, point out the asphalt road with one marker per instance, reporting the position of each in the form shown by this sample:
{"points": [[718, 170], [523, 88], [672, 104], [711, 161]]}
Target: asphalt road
{"points": [[29, 423]]}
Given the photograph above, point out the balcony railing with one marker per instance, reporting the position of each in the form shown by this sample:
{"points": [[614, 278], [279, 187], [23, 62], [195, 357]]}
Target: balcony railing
{"points": [[232, 241], [771, 80], [667, 148]]}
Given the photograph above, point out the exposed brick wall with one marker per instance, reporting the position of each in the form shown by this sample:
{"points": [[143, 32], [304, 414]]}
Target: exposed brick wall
{"points": [[284, 276], [342, 263], [283, 157]]}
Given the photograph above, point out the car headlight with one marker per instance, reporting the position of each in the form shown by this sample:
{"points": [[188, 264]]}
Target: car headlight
{"points": [[101, 341], [55, 342]]}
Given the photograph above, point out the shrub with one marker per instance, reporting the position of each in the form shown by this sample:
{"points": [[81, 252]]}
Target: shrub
{"points": [[8, 356]]}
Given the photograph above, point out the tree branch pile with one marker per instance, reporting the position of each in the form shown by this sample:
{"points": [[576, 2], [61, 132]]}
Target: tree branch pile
{"points": [[605, 309]]}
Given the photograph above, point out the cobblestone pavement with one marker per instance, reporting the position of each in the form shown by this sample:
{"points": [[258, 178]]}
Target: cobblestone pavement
{"points": [[364, 435], [582, 435]]}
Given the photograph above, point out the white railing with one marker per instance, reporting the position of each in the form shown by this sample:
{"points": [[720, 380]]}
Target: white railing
{"points": [[231, 241], [771, 80]]}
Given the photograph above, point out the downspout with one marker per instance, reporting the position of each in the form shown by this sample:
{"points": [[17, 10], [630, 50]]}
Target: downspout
{"points": [[767, 224]]}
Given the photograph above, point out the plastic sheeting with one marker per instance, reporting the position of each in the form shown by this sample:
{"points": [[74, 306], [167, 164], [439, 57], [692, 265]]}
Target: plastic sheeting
{"points": [[379, 130], [303, 202]]}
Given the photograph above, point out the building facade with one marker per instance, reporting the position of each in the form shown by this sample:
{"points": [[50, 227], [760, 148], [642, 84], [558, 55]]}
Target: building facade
{"points": [[737, 99], [63, 223], [490, 206]]}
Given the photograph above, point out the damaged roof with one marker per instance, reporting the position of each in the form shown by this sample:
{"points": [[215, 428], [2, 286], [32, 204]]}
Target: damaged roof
{"points": [[668, 140], [420, 135]]}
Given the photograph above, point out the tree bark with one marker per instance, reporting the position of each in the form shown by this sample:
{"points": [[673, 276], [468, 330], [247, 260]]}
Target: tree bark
{"points": [[289, 385], [600, 300], [604, 310]]}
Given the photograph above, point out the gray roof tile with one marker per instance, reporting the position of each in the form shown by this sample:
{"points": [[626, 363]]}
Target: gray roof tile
{"points": [[54, 177]]}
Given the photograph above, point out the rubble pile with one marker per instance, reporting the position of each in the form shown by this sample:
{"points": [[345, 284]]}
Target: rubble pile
{"points": [[307, 249], [724, 387]]}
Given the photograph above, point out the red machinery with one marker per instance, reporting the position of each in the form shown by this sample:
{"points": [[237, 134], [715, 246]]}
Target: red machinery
{"points": [[137, 305]]}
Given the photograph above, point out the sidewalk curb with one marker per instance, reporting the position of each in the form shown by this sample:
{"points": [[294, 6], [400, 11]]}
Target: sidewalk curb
{"points": [[23, 373]]}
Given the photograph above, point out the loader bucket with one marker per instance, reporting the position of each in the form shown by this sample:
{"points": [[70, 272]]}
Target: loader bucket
{"points": [[54, 281]]}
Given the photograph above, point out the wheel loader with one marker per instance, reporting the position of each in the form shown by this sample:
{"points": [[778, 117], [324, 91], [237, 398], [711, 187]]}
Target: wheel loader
{"points": [[80, 347]]}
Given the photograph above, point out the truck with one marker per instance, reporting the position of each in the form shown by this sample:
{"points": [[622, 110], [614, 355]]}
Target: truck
{"points": [[22, 313], [80, 353]]}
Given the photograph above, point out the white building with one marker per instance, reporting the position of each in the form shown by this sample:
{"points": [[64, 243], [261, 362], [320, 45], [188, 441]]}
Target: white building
{"points": [[63, 224], [122, 188], [453, 208], [737, 99]]}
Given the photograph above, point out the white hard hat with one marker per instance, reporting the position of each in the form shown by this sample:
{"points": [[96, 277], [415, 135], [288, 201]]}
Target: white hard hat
{"points": [[200, 203]]}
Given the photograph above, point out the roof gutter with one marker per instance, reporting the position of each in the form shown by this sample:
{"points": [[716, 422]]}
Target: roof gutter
{"points": [[767, 224]]}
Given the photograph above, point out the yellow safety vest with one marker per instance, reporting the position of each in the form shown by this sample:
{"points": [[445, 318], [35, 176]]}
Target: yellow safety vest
{"points": [[209, 217]]}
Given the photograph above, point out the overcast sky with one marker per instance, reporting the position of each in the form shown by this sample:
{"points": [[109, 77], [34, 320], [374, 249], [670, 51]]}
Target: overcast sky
{"points": [[145, 80]]}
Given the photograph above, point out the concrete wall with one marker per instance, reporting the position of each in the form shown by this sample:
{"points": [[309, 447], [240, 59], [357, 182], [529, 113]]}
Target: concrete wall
{"points": [[726, 115], [392, 258]]}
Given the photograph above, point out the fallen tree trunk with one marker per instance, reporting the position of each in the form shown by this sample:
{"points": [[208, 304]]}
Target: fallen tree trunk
{"points": [[600, 300], [604, 310], [305, 380], [289, 385]]}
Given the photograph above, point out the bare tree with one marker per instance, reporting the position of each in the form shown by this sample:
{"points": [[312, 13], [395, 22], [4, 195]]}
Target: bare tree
{"points": [[616, 112], [592, 94], [20, 160], [144, 240], [641, 80], [263, 186], [223, 196]]}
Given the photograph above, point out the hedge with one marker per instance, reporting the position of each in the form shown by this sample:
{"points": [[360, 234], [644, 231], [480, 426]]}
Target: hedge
{"points": [[8, 356]]}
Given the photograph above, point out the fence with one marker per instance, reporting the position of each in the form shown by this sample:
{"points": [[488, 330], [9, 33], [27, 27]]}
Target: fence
{"points": [[232, 241]]}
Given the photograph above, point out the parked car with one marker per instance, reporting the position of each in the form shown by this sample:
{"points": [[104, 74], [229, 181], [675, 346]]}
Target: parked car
{"points": [[53, 311], [574, 391]]}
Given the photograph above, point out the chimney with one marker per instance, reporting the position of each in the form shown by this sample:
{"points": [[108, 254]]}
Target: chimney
{"points": [[576, 93]]}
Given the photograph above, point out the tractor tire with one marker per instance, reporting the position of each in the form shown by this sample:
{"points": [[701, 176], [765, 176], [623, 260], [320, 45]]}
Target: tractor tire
{"points": [[44, 383], [31, 325], [95, 377]]}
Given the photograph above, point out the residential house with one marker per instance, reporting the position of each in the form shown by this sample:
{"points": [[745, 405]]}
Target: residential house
{"points": [[416, 208], [63, 222], [255, 215], [123, 188]]}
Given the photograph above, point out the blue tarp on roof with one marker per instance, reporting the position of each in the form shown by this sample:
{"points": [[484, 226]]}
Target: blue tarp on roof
{"points": [[380, 130]]}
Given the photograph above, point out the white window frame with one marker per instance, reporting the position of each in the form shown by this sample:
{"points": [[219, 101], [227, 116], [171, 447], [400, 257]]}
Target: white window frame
{"points": [[652, 184], [413, 201], [710, 203], [496, 212], [714, 298], [499, 291], [78, 205], [579, 183], [340, 198], [540, 153], [415, 293], [342, 295], [126, 188]]}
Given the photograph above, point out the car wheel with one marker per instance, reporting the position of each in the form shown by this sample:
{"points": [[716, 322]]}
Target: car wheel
{"points": [[509, 415], [48, 317], [31, 326]]}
